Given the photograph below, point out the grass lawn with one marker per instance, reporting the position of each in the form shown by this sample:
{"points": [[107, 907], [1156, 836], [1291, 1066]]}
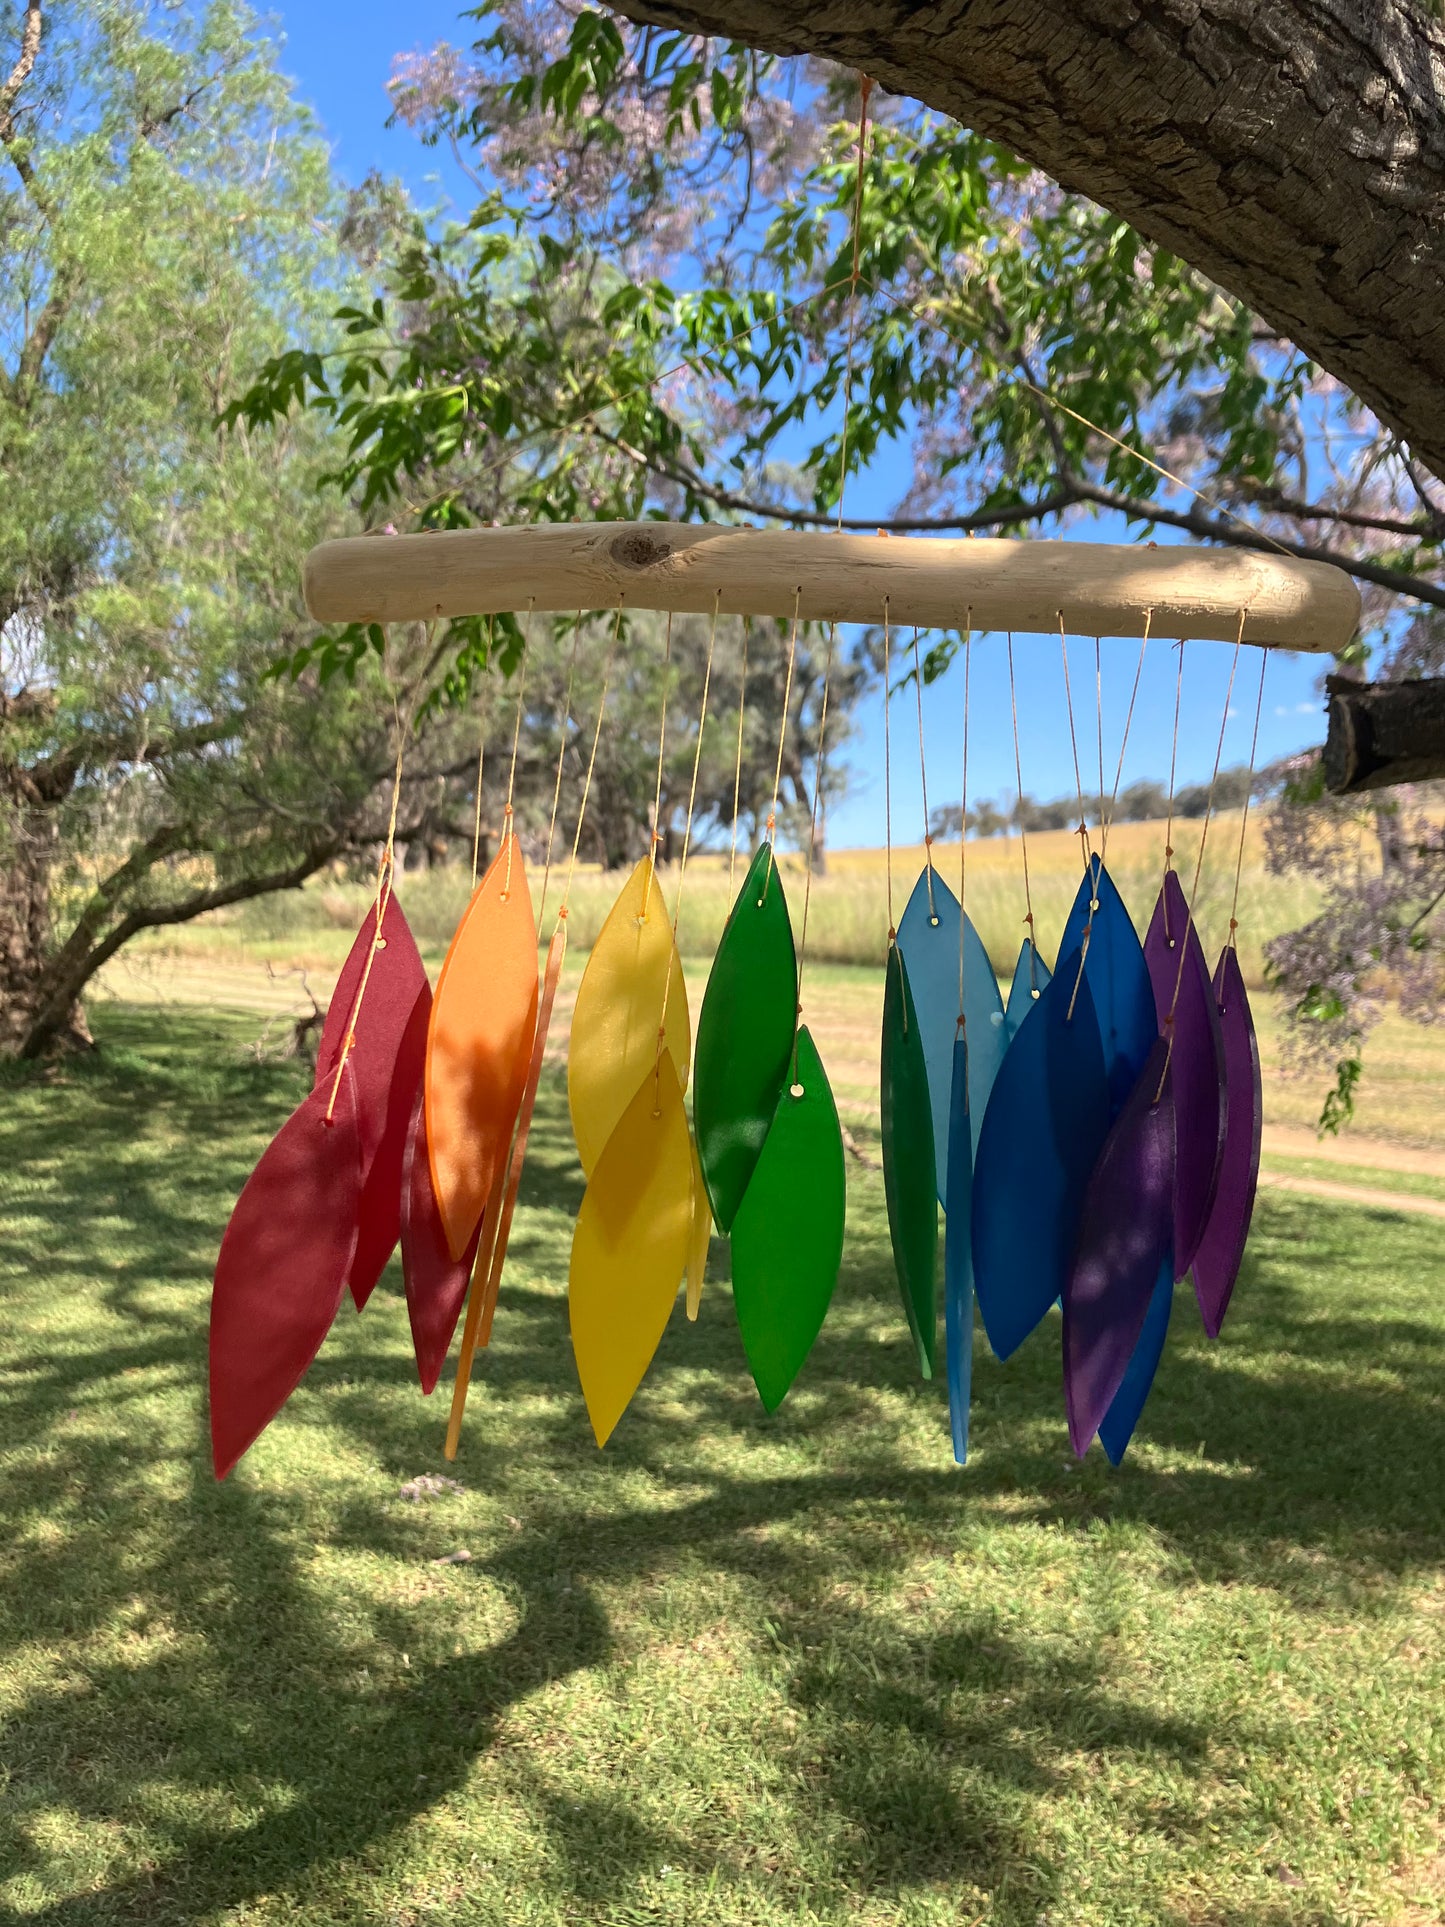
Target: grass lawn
{"points": [[734, 1670]]}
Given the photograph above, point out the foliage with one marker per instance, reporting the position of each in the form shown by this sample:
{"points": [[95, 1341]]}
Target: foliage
{"points": [[165, 207], [737, 1668]]}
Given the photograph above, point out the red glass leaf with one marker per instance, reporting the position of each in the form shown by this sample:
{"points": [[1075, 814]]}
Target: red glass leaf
{"points": [[386, 1061], [282, 1268], [436, 1283]]}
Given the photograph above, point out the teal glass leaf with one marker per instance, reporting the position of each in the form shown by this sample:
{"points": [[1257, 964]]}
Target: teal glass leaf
{"points": [[958, 1256], [787, 1237], [1118, 977], [928, 937], [1031, 979], [744, 1036], [1045, 1126], [909, 1168]]}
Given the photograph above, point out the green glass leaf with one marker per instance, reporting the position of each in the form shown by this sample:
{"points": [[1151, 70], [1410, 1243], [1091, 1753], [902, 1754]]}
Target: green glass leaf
{"points": [[744, 1036], [908, 1160], [788, 1232]]}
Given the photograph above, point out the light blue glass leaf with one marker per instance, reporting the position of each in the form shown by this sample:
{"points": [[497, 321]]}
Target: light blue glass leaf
{"points": [[1045, 1125], [958, 1255], [1118, 977], [928, 940], [1031, 974], [1128, 1402]]}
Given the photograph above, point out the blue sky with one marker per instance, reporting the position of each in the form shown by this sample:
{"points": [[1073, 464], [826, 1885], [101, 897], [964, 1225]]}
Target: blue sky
{"points": [[340, 56]]}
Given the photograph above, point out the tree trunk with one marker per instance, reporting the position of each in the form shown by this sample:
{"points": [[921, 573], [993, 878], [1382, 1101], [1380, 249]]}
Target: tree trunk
{"points": [[1384, 733], [26, 850], [1291, 150]]}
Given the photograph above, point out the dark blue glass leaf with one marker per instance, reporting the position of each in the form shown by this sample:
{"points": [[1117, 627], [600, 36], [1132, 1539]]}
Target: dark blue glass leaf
{"points": [[928, 939], [1118, 977], [1031, 974], [958, 1256], [1125, 1233], [1044, 1127], [1116, 1428]]}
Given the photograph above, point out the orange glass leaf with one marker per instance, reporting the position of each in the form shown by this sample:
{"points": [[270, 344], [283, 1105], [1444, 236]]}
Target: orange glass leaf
{"points": [[631, 1245], [633, 968], [479, 1043]]}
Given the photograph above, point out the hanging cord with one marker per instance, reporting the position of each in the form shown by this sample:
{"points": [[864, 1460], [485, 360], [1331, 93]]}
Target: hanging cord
{"points": [[782, 739], [661, 755], [738, 767], [561, 758], [385, 878], [1183, 940], [887, 776], [812, 848], [1108, 821], [1083, 829], [1173, 759], [481, 763], [686, 842], [963, 813], [1023, 833], [923, 778], [1099, 726], [591, 763], [852, 297], [508, 821], [1244, 813]]}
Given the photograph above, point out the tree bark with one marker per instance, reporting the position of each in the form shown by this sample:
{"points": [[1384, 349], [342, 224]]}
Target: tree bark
{"points": [[1291, 150], [1384, 733]]}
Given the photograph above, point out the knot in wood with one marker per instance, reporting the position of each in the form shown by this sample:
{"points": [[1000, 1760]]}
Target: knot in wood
{"points": [[637, 551]]}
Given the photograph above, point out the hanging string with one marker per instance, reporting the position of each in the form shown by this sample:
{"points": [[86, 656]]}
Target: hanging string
{"points": [[481, 761], [1083, 829], [1249, 791], [385, 876], [887, 775], [1023, 833], [1183, 940], [1107, 824], [507, 816], [1099, 723], [852, 297], [963, 813], [561, 758], [772, 825], [1173, 758], [661, 755], [738, 767], [923, 779], [591, 762], [686, 842], [812, 846]]}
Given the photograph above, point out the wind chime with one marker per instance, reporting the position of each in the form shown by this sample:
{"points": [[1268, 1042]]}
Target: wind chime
{"points": [[1092, 1138]]}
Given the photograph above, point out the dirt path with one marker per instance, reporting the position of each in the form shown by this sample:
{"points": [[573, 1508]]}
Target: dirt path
{"points": [[1361, 1194]]}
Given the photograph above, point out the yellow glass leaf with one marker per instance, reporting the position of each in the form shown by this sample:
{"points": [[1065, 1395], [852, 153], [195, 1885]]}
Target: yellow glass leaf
{"points": [[619, 1010], [701, 1234], [630, 1248]]}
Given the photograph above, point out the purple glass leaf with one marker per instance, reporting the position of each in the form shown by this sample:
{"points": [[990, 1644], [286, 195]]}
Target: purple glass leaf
{"points": [[1216, 1263], [1116, 1428], [1125, 1231], [1196, 1064]]}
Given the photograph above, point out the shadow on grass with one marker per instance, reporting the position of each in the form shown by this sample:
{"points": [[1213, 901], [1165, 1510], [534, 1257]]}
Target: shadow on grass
{"points": [[1303, 1455]]}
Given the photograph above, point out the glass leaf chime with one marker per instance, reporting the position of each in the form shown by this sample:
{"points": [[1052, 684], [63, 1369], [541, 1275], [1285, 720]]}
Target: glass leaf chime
{"points": [[1092, 1137]]}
